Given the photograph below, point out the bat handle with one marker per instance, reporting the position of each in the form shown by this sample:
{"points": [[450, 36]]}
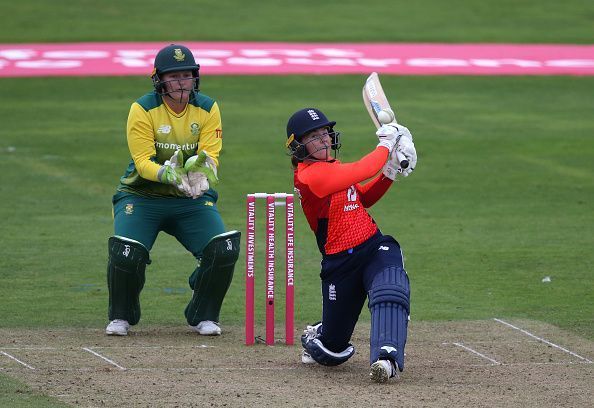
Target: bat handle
{"points": [[402, 160]]}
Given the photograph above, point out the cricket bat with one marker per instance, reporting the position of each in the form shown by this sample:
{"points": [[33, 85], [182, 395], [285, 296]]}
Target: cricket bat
{"points": [[379, 108]]}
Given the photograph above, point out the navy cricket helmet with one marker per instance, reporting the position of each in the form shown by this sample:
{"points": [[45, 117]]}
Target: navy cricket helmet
{"points": [[304, 121], [174, 58]]}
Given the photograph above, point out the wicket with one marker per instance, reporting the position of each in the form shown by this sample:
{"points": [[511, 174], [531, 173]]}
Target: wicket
{"points": [[271, 204]]}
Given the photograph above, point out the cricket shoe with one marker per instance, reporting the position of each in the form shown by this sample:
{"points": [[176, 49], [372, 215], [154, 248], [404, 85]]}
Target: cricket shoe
{"points": [[306, 358], [382, 370], [207, 328], [117, 327], [311, 332]]}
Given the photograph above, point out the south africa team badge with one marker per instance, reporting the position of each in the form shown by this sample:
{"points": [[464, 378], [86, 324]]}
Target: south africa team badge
{"points": [[129, 209]]}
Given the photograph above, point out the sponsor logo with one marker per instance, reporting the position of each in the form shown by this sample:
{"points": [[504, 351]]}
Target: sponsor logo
{"points": [[209, 203], [383, 248], [129, 209], [175, 146], [350, 207], [389, 349], [118, 59], [195, 128], [331, 292], [165, 129]]}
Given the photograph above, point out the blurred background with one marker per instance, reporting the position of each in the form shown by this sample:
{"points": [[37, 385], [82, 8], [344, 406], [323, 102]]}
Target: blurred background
{"points": [[496, 221]]}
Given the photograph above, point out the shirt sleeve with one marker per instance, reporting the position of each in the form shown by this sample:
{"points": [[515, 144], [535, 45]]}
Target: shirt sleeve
{"points": [[329, 177], [211, 137], [141, 142], [371, 192]]}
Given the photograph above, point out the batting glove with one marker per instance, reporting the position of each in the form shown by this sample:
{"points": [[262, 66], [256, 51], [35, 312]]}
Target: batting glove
{"points": [[392, 167], [407, 148], [388, 136]]}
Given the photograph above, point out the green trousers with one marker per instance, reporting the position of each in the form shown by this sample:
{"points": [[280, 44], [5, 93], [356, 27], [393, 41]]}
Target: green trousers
{"points": [[193, 222]]}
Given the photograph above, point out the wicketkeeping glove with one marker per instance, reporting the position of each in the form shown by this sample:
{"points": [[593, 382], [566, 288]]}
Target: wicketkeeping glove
{"points": [[202, 173], [171, 172]]}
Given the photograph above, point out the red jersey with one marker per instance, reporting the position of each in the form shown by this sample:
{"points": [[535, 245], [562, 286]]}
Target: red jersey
{"points": [[334, 202]]}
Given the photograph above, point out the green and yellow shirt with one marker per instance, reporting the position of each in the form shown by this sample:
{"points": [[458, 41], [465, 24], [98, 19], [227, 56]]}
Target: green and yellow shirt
{"points": [[155, 132]]}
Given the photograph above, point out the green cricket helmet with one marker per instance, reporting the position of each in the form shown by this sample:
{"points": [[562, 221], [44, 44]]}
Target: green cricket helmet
{"points": [[174, 58]]}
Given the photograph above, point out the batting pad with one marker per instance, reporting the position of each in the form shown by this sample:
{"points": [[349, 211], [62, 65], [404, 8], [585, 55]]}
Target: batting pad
{"points": [[125, 278], [389, 306], [316, 349], [213, 277]]}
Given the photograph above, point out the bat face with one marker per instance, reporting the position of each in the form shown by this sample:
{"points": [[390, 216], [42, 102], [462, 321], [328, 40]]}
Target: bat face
{"points": [[379, 108], [375, 99]]}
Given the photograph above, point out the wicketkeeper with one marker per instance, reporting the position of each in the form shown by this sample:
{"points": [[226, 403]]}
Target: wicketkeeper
{"points": [[174, 136], [358, 261]]}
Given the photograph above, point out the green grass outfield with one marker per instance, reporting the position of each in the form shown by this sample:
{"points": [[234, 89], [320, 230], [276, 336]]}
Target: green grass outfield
{"points": [[513, 21], [502, 195], [500, 199]]}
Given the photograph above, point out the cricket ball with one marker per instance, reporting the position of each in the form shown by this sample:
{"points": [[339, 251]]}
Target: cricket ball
{"points": [[385, 116]]}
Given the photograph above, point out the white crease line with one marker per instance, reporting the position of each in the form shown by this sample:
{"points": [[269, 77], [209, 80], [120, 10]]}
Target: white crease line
{"points": [[476, 352], [17, 360], [202, 346], [216, 369], [223, 369], [167, 369], [543, 340], [104, 358], [155, 347]]}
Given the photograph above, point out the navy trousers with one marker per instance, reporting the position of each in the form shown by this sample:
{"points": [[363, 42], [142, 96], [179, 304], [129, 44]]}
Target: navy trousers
{"points": [[346, 280]]}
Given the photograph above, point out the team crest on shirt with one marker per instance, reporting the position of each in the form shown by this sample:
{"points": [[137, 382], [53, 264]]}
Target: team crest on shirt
{"points": [[352, 194], [178, 55], [352, 198], [195, 128], [129, 209]]}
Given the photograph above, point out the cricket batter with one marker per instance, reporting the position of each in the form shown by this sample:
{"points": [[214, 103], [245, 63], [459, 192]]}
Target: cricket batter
{"points": [[175, 136], [358, 261]]}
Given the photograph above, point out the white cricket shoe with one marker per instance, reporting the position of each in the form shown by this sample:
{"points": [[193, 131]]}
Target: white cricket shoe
{"points": [[117, 327], [306, 358], [382, 370], [207, 328]]}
